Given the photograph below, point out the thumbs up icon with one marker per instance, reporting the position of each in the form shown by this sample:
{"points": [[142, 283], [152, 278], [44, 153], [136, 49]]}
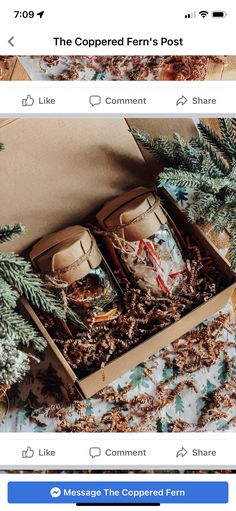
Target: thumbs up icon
{"points": [[29, 101], [28, 453]]}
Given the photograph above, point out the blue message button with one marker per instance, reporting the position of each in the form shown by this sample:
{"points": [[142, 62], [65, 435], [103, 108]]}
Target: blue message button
{"points": [[117, 492]]}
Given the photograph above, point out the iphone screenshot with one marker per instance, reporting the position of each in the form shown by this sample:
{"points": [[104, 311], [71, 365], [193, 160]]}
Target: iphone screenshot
{"points": [[117, 255]]}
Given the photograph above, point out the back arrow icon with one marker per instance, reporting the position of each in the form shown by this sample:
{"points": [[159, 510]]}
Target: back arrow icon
{"points": [[10, 40]]}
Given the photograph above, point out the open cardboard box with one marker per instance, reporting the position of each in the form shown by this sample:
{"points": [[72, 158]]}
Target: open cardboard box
{"points": [[56, 173]]}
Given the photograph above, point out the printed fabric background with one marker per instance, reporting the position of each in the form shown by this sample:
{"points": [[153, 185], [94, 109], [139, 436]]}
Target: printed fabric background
{"points": [[132, 68], [188, 386]]}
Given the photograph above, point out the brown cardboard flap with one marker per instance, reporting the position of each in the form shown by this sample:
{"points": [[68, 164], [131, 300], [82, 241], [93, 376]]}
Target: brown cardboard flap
{"points": [[4, 122], [56, 172]]}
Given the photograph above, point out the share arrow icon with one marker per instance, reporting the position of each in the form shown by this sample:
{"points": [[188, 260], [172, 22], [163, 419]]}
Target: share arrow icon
{"points": [[181, 101], [40, 14], [182, 452]]}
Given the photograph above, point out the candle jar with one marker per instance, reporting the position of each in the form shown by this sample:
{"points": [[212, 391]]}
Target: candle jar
{"points": [[71, 256], [144, 241]]}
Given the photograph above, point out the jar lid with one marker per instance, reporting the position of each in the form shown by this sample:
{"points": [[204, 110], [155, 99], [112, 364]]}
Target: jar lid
{"points": [[68, 254], [135, 215]]}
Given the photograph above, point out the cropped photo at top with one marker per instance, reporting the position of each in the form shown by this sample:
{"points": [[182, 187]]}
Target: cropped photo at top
{"points": [[117, 275], [129, 68]]}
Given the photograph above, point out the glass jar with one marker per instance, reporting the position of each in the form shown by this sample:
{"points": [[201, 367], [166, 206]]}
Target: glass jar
{"points": [[73, 257], [145, 243]]}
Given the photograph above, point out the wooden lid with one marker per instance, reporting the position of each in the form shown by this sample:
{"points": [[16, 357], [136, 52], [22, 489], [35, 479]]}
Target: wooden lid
{"points": [[68, 254], [135, 215]]}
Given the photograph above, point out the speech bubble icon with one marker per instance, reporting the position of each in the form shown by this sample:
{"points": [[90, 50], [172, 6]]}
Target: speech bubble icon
{"points": [[94, 452], [95, 100]]}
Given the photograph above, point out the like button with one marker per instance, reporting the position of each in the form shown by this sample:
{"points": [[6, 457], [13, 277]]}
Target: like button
{"points": [[28, 453]]}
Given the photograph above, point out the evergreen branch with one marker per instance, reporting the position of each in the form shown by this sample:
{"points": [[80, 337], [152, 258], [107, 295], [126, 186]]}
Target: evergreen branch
{"points": [[13, 325], [9, 232], [208, 167], [18, 273], [8, 296], [162, 148], [206, 164], [107, 298], [232, 170], [180, 178], [234, 127], [14, 363], [232, 250], [166, 151], [204, 207], [221, 218], [232, 216], [17, 278], [229, 197], [75, 318], [227, 132], [214, 154], [213, 139], [215, 185], [144, 139], [185, 154]]}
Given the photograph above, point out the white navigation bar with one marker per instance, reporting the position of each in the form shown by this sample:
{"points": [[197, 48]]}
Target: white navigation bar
{"points": [[120, 28]]}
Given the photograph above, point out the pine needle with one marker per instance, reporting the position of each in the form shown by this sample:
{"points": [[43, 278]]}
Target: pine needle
{"points": [[206, 164], [9, 232]]}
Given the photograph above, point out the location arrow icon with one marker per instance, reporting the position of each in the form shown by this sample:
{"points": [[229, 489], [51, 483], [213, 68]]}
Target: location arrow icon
{"points": [[40, 14]]}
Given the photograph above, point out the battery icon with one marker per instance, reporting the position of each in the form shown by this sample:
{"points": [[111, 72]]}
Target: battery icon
{"points": [[219, 14]]}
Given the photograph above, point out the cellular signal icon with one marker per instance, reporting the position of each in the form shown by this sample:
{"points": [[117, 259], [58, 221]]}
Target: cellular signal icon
{"points": [[203, 14], [191, 15]]}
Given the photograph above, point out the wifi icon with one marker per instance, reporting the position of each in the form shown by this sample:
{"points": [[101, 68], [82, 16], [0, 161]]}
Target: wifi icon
{"points": [[203, 14]]}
